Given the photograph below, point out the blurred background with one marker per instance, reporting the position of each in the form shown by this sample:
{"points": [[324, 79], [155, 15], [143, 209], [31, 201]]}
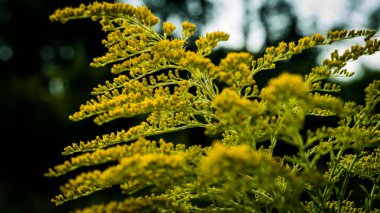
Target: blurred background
{"points": [[45, 73]]}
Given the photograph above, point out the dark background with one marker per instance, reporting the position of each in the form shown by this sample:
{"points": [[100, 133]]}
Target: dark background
{"points": [[45, 76]]}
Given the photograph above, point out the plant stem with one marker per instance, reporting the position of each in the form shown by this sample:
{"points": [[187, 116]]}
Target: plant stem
{"points": [[327, 189], [345, 182], [373, 190]]}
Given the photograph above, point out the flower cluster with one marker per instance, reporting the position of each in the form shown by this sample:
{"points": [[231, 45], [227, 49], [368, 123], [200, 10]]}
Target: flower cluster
{"points": [[241, 171], [141, 164], [235, 70], [334, 66], [247, 169], [206, 44], [367, 165], [99, 10]]}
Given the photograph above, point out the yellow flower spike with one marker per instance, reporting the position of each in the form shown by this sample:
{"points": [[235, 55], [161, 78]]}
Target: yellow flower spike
{"points": [[145, 167], [82, 185], [268, 60], [95, 10], [206, 44], [334, 67], [102, 156], [143, 130]]}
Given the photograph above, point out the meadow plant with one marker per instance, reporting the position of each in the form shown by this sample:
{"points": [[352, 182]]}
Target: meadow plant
{"points": [[157, 76]]}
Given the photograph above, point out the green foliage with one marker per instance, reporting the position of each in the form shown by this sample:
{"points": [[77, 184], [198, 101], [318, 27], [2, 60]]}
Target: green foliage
{"points": [[245, 169]]}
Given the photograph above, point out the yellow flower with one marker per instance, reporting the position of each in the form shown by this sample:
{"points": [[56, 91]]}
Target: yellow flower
{"points": [[285, 87], [235, 70], [206, 44], [188, 29], [168, 28]]}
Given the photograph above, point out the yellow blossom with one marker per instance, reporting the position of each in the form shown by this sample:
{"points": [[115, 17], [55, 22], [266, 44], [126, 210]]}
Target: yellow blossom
{"points": [[285, 87], [188, 29], [168, 28]]}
